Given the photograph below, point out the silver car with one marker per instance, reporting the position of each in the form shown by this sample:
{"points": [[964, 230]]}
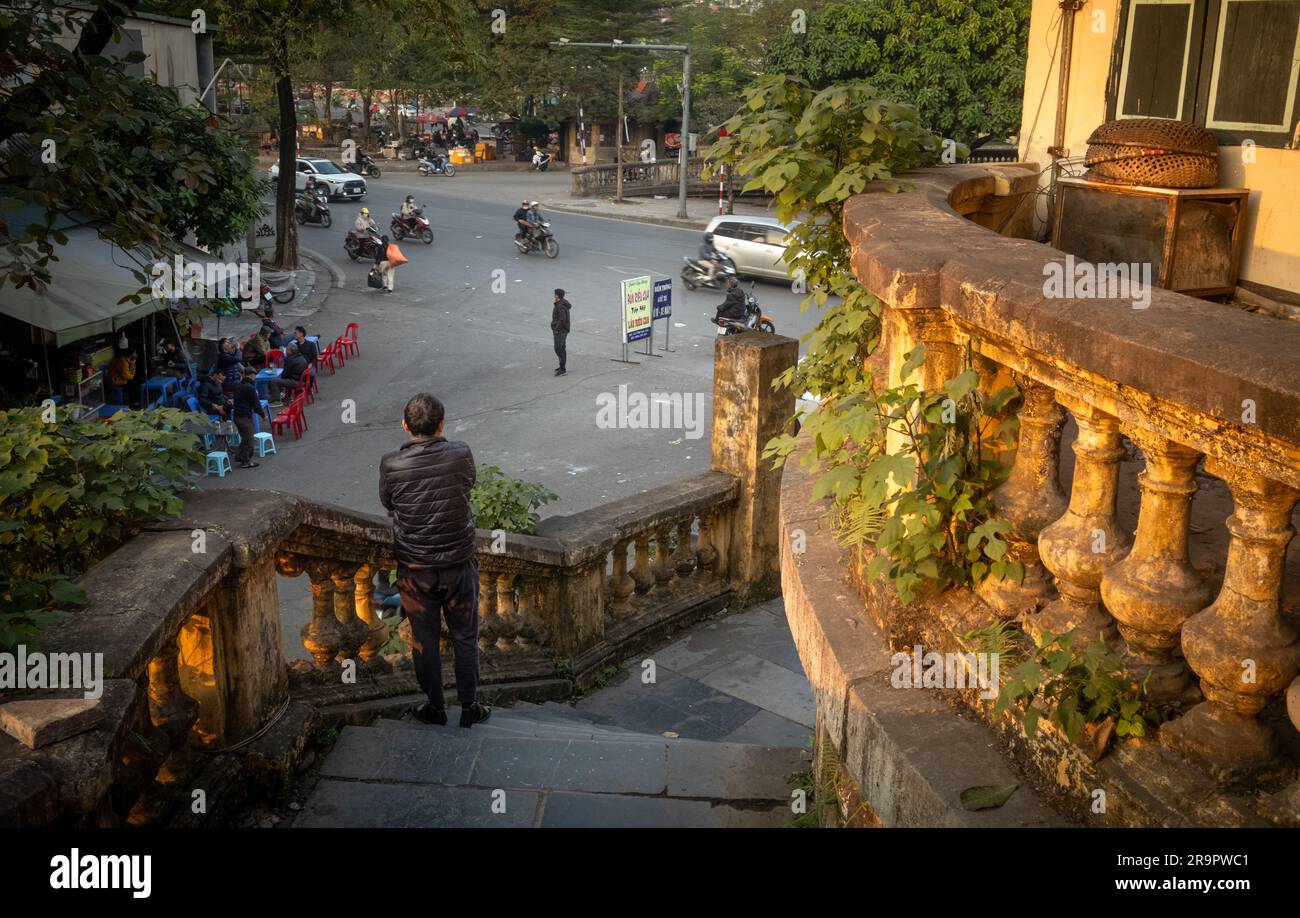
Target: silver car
{"points": [[754, 244]]}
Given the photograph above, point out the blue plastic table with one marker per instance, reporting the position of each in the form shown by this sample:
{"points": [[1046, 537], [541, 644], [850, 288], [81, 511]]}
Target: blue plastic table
{"points": [[164, 384], [264, 377]]}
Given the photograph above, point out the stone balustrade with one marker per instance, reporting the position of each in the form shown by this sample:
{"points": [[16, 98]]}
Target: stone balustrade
{"points": [[188, 615], [1191, 384], [659, 177]]}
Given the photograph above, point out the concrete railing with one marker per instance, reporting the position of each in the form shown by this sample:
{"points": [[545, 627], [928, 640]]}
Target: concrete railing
{"points": [[640, 178], [188, 616], [1187, 381]]}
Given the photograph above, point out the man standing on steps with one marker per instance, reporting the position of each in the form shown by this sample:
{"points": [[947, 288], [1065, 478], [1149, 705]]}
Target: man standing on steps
{"points": [[560, 328], [425, 487]]}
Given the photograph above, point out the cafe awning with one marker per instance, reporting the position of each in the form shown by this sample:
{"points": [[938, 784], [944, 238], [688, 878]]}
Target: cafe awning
{"points": [[87, 284]]}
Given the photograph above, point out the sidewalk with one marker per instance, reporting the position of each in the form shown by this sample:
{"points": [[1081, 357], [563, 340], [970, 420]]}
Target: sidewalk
{"points": [[313, 283], [659, 210]]}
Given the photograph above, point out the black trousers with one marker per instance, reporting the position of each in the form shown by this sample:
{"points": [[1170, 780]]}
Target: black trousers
{"points": [[429, 595], [245, 428], [560, 350]]}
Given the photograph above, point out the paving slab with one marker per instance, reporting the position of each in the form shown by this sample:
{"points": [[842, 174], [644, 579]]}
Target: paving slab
{"points": [[609, 766], [367, 805], [675, 703], [766, 685], [768, 729], [603, 811], [726, 771], [436, 755]]}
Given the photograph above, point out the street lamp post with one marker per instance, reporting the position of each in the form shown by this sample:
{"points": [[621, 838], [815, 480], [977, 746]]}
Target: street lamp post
{"points": [[684, 150]]}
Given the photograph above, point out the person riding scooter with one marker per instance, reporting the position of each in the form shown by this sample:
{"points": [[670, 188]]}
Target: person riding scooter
{"points": [[407, 216], [709, 258], [733, 307], [521, 218], [365, 223], [308, 199]]}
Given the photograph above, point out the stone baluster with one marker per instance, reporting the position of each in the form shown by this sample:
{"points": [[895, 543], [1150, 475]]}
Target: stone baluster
{"points": [[507, 619], [685, 556], [355, 630], [528, 614], [621, 584], [641, 573], [663, 569], [1240, 647], [323, 636], [363, 597], [1030, 499], [488, 625], [1154, 590], [1079, 546], [171, 710], [706, 556]]}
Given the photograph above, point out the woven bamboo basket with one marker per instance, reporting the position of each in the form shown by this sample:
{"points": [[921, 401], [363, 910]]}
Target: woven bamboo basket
{"points": [[1153, 151]]}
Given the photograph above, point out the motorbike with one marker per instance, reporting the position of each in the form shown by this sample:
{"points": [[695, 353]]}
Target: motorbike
{"points": [[694, 276], [754, 319], [418, 228], [361, 246], [366, 165], [541, 240], [437, 164], [317, 212], [541, 159]]}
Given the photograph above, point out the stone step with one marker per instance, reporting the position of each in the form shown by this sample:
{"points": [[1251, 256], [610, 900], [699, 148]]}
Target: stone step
{"points": [[648, 766], [503, 724]]}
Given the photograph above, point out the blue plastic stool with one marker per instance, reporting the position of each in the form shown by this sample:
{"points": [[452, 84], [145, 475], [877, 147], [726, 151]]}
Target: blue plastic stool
{"points": [[218, 462], [265, 444]]}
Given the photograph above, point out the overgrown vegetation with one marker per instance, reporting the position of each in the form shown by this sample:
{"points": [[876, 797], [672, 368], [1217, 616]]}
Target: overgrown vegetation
{"points": [[71, 492], [502, 502], [909, 470]]}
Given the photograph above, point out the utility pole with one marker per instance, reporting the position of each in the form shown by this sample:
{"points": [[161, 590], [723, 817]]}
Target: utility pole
{"points": [[684, 151], [618, 142]]}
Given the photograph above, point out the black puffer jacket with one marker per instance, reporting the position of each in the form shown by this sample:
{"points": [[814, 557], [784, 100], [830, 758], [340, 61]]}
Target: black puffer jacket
{"points": [[425, 487]]}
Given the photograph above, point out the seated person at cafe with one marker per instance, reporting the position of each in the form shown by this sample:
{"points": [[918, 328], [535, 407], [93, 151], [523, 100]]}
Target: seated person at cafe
{"points": [[212, 396], [169, 361], [294, 366], [121, 373], [277, 336], [307, 348], [256, 348], [230, 361]]}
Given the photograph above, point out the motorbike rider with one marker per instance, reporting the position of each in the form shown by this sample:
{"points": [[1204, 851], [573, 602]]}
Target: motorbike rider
{"points": [[733, 307], [521, 219], [709, 258], [365, 223], [308, 199], [535, 218], [539, 155], [409, 208]]}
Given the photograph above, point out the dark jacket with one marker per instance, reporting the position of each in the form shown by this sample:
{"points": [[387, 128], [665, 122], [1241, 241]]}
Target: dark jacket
{"points": [[294, 366], [425, 487], [231, 364], [308, 350], [210, 395], [247, 401], [560, 316], [733, 307], [277, 333]]}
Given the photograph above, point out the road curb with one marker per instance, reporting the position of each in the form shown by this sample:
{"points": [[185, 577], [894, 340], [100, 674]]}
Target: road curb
{"points": [[676, 222], [337, 279]]}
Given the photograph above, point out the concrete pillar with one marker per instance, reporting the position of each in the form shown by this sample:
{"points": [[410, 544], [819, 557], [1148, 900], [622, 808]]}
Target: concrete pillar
{"points": [[747, 413]]}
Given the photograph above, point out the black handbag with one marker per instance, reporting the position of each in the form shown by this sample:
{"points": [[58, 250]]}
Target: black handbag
{"points": [[374, 279]]}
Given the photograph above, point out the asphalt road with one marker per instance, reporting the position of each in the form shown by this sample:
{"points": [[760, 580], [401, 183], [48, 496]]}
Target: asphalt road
{"points": [[470, 322]]}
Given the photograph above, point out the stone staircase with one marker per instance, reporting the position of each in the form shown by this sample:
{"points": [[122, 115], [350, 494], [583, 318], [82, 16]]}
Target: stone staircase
{"points": [[719, 758]]}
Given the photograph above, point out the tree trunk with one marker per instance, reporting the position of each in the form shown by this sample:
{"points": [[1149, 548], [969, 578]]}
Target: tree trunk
{"points": [[329, 111], [618, 142], [286, 227], [365, 117]]}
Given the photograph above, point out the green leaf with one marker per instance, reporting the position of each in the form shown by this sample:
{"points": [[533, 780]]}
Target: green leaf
{"points": [[986, 796]]}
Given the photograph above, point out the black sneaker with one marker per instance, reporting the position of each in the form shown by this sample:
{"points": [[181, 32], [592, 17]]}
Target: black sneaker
{"points": [[249, 465], [427, 715], [560, 373], [473, 714]]}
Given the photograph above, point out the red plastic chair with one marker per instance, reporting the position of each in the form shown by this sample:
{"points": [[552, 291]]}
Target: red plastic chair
{"points": [[275, 357], [284, 420], [326, 358], [300, 416], [308, 380], [340, 350], [350, 338]]}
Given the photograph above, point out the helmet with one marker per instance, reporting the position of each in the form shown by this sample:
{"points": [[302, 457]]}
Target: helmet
{"points": [[708, 237], [365, 211], [410, 197], [524, 203], [534, 204]]}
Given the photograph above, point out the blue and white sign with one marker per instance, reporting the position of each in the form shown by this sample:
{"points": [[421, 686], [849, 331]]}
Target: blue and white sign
{"points": [[663, 298]]}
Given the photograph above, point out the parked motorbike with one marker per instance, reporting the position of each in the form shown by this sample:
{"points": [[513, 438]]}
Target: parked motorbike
{"points": [[361, 246], [418, 227], [694, 276], [437, 165], [317, 212], [541, 159], [366, 165], [541, 240], [754, 319]]}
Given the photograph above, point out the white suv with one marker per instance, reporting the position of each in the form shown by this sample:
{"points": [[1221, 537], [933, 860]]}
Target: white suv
{"points": [[338, 182], [754, 244]]}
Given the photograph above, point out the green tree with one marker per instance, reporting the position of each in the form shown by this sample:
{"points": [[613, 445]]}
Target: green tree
{"points": [[82, 141], [960, 62]]}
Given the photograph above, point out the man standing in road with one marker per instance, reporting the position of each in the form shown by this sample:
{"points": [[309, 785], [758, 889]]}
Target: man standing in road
{"points": [[560, 328], [425, 487]]}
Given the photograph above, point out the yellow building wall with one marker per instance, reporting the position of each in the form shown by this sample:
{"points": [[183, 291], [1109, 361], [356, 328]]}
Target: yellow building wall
{"points": [[1271, 251]]}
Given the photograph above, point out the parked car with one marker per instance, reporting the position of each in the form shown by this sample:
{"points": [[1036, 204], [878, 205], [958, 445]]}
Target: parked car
{"points": [[339, 182], [754, 244]]}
